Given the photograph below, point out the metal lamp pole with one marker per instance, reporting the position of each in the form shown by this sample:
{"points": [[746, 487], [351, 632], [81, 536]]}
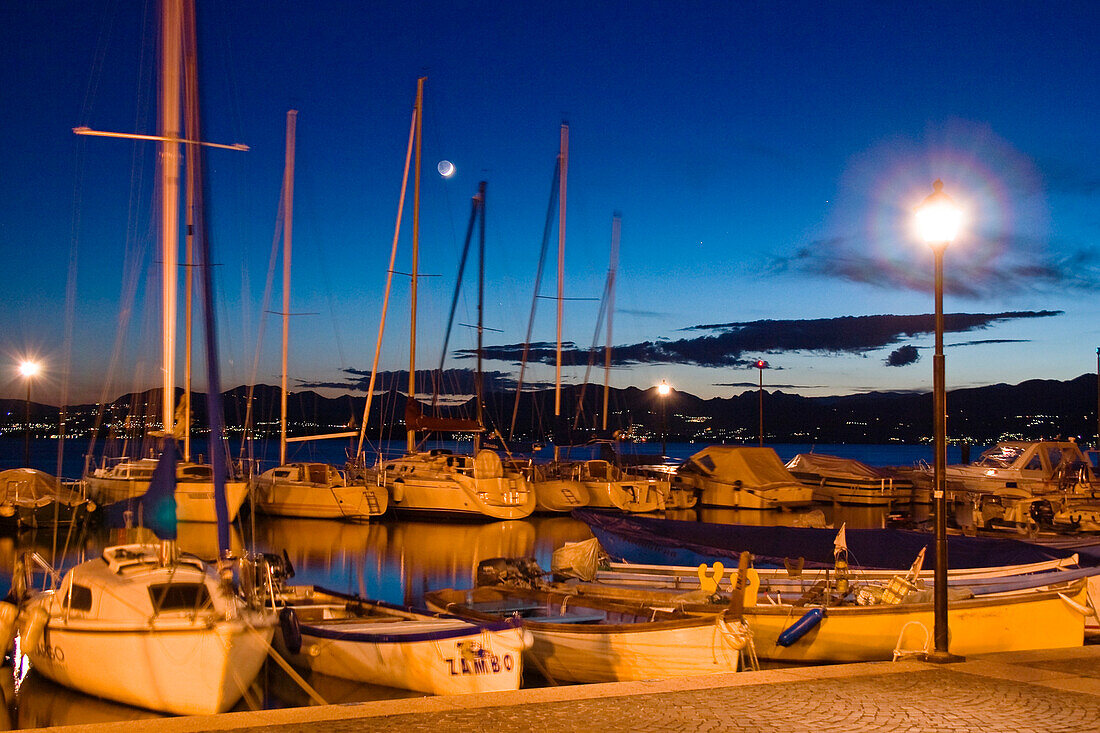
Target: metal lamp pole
{"points": [[28, 369], [938, 219]]}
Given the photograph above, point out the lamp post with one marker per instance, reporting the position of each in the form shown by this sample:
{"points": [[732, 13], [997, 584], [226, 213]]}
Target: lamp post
{"points": [[29, 370], [937, 221], [663, 391], [761, 365]]}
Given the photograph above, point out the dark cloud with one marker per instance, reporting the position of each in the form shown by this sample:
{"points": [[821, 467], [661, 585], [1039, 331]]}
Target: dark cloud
{"points": [[450, 382], [981, 342], [992, 267], [728, 345], [902, 356]]}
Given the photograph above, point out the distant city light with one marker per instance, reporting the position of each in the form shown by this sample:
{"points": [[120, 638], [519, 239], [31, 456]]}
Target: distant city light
{"points": [[29, 368], [446, 168]]}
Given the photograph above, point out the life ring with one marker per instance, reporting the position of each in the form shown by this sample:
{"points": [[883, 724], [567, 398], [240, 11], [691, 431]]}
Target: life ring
{"points": [[292, 630]]}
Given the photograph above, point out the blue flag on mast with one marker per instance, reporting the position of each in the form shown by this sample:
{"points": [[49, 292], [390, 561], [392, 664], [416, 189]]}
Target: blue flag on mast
{"points": [[157, 507]]}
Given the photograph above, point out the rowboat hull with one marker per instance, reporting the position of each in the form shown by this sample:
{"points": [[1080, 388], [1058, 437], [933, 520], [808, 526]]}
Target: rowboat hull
{"points": [[627, 647], [1037, 620], [377, 643]]}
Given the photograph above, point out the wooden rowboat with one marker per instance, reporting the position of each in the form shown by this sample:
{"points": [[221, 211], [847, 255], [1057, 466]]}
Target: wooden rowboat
{"points": [[598, 640]]}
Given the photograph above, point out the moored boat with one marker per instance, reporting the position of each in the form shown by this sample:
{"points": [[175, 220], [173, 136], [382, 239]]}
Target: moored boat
{"points": [[140, 628], [441, 482], [32, 498], [743, 477], [378, 643], [317, 491], [848, 481], [577, 639]]}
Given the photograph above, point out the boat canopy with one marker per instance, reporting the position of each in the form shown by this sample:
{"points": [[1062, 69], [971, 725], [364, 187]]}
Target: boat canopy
{"points": [[671, 541], [823, 465], [32, 485], [753, 467]]}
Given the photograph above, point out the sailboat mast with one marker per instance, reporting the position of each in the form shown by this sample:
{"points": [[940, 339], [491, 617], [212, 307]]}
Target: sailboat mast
{"points": [[616, 226], [288, 217], [171, 63], [563, 167], [410, 434], [480, 309]]}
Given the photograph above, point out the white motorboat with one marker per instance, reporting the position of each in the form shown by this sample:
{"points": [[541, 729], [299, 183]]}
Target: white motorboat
{"points": [[140, 628], [1025, 469], [317, 491], [743, 477], [382, 644], [848, 481], [129, 479]]}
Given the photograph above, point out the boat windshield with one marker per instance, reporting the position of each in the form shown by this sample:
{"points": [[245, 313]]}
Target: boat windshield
{"points": [[1001, 456]]}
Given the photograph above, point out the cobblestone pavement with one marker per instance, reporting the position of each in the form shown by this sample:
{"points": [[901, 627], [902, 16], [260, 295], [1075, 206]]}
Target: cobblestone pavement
{"points": [[1057, 690], [931, 700]]}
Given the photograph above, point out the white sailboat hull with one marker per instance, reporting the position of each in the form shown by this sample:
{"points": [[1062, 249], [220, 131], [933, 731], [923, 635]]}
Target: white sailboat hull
{"points": [[637, 496], [560, 495], [194, 499], [357, 503], [189, 671]]}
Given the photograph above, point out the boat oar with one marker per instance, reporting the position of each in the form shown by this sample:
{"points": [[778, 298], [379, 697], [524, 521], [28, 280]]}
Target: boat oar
{"points": [[313, 695], [737, 597]]}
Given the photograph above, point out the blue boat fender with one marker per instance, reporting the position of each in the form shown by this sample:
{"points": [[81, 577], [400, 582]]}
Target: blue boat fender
{"points": [[292, 631], [801, 627]]}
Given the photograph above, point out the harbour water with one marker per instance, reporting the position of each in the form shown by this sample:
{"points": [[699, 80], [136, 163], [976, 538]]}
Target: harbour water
{"points": [[395, 559]]}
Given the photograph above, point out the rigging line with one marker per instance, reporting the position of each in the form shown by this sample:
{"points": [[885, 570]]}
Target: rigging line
{"points": [[592, 351], [475, 208], [386, 297], [268, 288], [106, 25], [549, 223]]}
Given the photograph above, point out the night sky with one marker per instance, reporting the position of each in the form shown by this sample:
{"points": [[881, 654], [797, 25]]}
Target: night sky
{"points": [[765, 158]]}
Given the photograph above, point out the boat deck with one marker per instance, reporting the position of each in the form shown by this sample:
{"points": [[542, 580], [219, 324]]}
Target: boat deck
{"points": [[1045, 690]]}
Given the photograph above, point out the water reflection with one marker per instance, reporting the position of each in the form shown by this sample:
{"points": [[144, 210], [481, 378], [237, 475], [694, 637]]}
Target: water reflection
{"points": [[394, 560]]}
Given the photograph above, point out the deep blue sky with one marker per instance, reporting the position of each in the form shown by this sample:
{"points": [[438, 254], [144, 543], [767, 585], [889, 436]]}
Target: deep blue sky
{"points": [[765, 157]]}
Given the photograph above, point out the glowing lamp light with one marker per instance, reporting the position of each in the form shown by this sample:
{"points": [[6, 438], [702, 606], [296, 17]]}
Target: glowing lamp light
{"points": [[446, 168], [663, 389], [761, 364], [30, 368], [938, 218]]}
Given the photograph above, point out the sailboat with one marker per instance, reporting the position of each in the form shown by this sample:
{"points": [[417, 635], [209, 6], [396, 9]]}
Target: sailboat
{"points": [[128, 479], [308, 489], [438, 481], [145, 624]]}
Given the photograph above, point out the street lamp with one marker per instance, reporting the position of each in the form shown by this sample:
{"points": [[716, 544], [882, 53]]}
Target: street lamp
{"points": [[663, 390], [761, 365], [29, 370], [938, 219]]}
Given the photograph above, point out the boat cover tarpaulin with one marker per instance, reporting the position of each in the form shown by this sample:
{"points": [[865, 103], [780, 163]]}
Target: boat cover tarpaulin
{"points": [[655, 541], [753, 467], [823, 465]]}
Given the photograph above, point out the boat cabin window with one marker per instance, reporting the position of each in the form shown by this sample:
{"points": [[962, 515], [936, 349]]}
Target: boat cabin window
{"points": [[203, 472], [1055, 455], [1035, 464], [179, 596], [1002, 456], [282, 473], [79, 598]]}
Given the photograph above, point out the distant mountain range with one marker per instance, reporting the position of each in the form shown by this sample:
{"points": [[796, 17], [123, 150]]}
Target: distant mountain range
{"points": [[981, 415]]}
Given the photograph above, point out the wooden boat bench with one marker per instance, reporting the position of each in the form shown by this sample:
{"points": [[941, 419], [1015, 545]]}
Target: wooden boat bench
{"points": [[505, 606], [570, 617]]}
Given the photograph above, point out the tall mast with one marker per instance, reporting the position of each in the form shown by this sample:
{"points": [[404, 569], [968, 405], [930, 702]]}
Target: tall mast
{"points": [[288, 217], [410, 434], [480, 308], [171, 62], [564, 167], [616, 227]]}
